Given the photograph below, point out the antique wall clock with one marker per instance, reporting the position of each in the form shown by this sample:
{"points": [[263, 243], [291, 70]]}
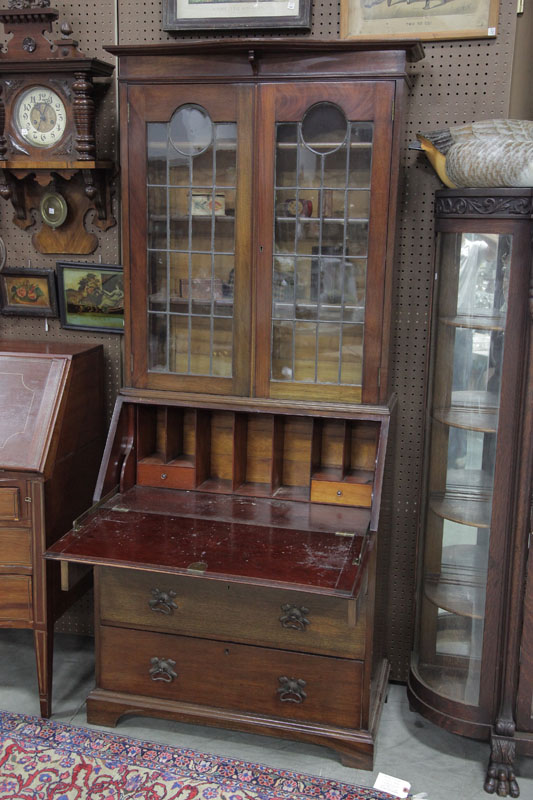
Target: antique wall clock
{"points": [[48, 154]]}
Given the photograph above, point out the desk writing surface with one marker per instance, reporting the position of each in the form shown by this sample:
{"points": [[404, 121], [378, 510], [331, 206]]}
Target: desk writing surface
{"points": [[255, 551]]}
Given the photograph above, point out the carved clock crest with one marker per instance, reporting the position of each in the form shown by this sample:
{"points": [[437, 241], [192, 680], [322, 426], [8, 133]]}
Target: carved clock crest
{"points": [[48, 158]]}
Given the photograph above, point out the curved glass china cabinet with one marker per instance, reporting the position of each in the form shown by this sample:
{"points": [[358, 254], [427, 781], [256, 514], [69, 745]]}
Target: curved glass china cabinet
{"points": [[474, 457]]}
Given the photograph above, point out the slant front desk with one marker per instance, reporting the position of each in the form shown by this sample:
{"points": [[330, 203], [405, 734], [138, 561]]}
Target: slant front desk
{"points": [[240, 499]]}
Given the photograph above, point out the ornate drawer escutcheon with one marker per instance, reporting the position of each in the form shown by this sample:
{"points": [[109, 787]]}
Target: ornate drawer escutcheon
{"points": [[291, 690], [162, 669], [294, 617], [163, 601]]}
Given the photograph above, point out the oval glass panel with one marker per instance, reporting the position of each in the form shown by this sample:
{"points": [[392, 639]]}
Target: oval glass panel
{"points": [[190, 130], [324, 128]]}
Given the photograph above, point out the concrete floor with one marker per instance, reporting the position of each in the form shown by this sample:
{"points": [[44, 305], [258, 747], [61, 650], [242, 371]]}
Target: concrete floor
{"points": [[437, 763]]}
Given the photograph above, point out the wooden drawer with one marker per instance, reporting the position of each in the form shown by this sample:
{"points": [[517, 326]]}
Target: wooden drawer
{"points": [[13, 506], [166, 476], [227, 675], [232, 611], [15, 547], [15, 598], [342, 493]]}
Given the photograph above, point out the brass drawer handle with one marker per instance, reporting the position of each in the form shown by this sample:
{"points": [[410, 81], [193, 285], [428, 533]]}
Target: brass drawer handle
{"points": [[294, 617], [163, 601], [291, 690], [162, 669]]}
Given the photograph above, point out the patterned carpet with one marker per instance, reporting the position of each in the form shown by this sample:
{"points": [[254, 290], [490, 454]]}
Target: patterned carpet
{"points": [[44, 760]]}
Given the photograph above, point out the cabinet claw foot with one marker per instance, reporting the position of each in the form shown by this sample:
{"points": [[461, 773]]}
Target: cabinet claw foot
{"points": [[501, 780]]}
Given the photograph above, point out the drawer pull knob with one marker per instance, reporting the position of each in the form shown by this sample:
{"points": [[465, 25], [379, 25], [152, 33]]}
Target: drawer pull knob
{"points": [[163, 601], [164, 476], [294, 617], [291, 690], [339, 493], [162, 669]]}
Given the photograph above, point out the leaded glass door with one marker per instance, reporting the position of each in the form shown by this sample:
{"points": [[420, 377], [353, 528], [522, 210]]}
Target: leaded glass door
{"points": [[190, 264], [322, 260]]}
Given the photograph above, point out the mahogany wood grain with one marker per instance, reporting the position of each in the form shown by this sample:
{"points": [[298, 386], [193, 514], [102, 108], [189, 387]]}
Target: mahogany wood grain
{"points": [[240, 676], [15, 591], [231, 611], [277, 556], [15, 547]]}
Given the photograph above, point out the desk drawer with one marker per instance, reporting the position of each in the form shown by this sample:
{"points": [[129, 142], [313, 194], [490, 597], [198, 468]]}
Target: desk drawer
{"points": [[342, 493], [198, 606], [13, 506], [15, 594], [227, 675], [15, 547]]}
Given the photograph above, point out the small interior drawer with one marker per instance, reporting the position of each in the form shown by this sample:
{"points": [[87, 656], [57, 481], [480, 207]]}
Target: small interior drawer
{"points": [[300, 621], [15, 547], [16, 605], [166, 476], [342, 493], [228, 675]]}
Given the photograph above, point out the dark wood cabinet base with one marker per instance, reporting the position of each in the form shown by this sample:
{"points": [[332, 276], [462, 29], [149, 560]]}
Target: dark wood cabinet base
{"points": [[355, 747]]}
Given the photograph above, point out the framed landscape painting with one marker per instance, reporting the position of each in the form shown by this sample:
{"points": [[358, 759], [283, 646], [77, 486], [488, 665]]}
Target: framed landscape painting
{"points": [[236, 14], [91, 296], [28, 292], [418, 19]]}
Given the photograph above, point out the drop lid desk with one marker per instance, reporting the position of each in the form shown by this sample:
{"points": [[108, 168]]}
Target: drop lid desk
{"points": [[228, 603], [235, 540], [52, 433]]}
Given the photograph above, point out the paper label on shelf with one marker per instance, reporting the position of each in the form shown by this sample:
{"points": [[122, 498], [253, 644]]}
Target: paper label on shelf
{"points": [[392, 785]]}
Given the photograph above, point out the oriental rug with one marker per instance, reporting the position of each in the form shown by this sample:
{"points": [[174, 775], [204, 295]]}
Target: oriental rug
{"points": [[45, 760]]}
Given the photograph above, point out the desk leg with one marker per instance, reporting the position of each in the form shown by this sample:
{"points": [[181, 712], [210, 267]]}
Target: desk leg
{"points": [[44, 653]]}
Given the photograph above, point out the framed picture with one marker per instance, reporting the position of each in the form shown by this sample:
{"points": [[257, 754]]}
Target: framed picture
{"points": [[91, 296], [216, 14], [419, 19], [28, 292]]}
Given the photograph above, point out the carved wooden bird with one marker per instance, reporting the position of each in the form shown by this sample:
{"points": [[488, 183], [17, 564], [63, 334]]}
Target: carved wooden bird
{"points": [[492, 153]]}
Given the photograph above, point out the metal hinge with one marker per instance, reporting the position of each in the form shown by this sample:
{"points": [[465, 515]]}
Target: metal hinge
{"points": [[345, 533]]}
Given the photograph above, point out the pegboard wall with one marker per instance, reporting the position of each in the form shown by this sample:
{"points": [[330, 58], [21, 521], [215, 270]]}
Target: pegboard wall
{"points": [[457, 82]]}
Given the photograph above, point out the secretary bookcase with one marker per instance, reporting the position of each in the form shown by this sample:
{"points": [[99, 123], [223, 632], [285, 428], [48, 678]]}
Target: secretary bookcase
{"points": [[235, 536]]}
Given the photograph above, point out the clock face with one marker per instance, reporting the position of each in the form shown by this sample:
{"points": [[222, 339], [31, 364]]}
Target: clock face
{"points": [[40, 117]]}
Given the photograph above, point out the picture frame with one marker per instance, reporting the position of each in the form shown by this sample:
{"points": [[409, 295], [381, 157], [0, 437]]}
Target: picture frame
{"points": [[428, 20], [28, 292], [179, 15], [91, 296]]}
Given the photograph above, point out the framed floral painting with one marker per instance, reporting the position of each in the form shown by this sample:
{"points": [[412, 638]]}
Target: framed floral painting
{"points": [[28, 292]]}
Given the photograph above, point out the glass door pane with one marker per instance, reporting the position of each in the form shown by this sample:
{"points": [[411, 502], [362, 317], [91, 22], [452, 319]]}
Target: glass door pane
{"points": [[323, 242], [322, 204], [472, 307], [191, 195]]}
